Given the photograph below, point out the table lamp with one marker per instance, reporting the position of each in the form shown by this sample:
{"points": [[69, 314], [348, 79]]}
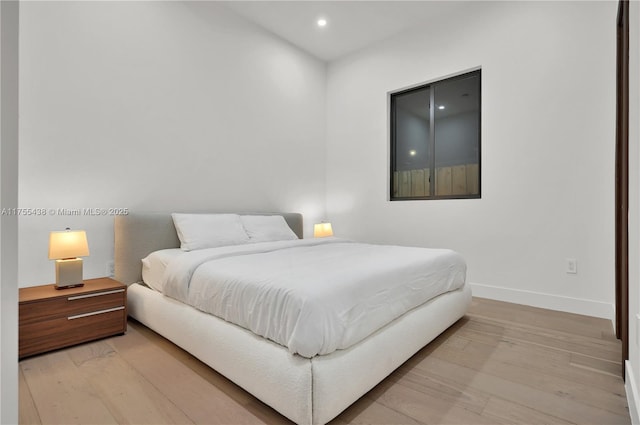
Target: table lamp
{"points": [[322, 230], [65, 247]]}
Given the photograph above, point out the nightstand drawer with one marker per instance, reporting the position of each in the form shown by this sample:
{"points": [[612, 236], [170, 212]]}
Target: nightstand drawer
{"points": [[70, 305], [38, 337]]}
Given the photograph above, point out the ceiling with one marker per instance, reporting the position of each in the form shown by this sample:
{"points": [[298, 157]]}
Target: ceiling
{"points": [[352, 25]]}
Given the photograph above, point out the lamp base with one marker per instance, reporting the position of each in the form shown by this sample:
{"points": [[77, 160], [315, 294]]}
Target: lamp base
{"points": [[69, 273]]}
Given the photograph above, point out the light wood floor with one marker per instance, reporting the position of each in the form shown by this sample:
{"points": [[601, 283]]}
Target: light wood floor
{"points": [[501, 364]]}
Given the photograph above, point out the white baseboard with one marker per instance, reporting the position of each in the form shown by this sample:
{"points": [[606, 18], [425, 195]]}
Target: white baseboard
{"points": [[548, 301], [631, 388]]}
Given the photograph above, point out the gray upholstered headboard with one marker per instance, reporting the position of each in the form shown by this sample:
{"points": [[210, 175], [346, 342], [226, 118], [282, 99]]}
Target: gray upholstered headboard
{"points": [[137, 235]]}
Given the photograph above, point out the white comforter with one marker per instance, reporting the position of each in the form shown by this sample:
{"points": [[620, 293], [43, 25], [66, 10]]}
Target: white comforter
{"points": [[313, 296]]}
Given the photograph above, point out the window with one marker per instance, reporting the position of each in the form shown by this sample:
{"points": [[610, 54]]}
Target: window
{"points": [[435, 140]]}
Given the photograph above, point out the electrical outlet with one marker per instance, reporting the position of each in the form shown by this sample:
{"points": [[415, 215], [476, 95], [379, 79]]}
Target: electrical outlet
{"points": [[572, 266], [111, 269]]}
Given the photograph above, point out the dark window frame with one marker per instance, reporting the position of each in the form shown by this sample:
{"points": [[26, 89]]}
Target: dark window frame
{"points": [[392, 136]]}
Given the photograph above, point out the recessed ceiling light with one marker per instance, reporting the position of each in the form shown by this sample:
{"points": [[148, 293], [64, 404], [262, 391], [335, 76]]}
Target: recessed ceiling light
{"points": [[441, 107], [412, 152], [322, 22]]}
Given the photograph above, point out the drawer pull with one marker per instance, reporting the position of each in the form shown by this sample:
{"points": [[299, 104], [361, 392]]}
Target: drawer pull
{"points": [[93, 313], [96, 294]]}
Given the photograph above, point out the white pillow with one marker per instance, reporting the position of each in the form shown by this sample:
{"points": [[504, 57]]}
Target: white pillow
{"points": [[267, 228], [199, 231]]}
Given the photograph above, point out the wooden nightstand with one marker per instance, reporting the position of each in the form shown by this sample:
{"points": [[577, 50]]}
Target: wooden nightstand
{"points": [[52, 318]]}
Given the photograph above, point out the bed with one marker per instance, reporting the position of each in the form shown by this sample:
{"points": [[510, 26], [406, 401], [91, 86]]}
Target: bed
{"points": [[308, 389]]}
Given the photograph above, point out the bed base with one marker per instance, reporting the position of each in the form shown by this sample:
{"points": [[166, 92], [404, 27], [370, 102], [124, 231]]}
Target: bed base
{"points": [[307, 391]]}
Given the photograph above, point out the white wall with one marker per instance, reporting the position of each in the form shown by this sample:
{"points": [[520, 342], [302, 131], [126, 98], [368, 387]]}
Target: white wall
{"points": [[163, 105], [633, 364], [9, 11], [160, 106], [548, 127]]}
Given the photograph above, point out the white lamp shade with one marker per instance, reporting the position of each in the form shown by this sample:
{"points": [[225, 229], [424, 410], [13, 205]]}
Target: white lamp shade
{"points": [[68, 244], [322, 230]]}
